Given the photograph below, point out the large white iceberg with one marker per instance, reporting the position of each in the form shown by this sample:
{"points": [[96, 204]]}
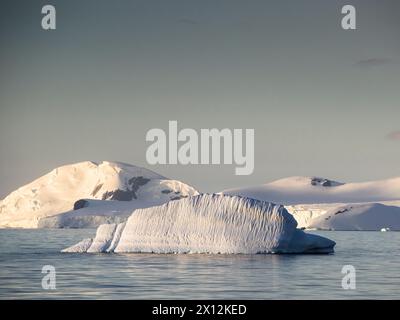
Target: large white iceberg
{"points": [[207, 224]]}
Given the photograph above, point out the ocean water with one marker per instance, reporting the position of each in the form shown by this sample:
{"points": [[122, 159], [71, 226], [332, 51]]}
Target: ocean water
{"points": [[374, 255]]}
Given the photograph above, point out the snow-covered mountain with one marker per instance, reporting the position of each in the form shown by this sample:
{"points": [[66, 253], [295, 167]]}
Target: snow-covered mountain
{"points": [[207, 224], [88, 194], [312, 190], [308, 198], [119, 188], [370, 217]]}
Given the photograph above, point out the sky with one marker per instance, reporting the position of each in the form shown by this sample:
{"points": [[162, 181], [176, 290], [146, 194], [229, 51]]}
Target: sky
{"points": [[323, 101]]}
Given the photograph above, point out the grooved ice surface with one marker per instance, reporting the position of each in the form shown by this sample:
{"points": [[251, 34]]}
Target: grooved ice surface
{"points": [[209, 224]]}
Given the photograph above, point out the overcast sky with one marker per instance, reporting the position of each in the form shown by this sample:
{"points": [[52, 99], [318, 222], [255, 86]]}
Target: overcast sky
{"points": [[323, 101]]}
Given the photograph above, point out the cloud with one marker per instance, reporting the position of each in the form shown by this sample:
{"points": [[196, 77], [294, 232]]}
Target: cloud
{"points": [[373, 62], [395, 135]]}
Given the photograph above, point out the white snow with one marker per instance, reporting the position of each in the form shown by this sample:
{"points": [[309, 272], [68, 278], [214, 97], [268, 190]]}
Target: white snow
{"points": [[312, 190], [57, 191], [306, 213], [308, 198], [208, 224], [96, 213], [49, 201], [370, 217]]}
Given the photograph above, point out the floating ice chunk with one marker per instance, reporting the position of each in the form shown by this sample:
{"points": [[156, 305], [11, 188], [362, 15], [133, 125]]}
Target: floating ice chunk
{"points": [[104, 238], [80, 247], [209, 224], [117, 235]]}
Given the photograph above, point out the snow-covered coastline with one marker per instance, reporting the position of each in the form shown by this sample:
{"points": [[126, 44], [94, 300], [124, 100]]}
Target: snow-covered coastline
{"points": [[312, 200], [88, 194], [315, 190]]}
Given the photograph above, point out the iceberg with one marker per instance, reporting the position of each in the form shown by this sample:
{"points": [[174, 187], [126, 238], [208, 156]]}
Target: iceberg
{"points": [[217, 224]]}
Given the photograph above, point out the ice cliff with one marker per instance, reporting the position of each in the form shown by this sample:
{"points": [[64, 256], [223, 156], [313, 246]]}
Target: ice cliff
{"points": [[207, 224]]}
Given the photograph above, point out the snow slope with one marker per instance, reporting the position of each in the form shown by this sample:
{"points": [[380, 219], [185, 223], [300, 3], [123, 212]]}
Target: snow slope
{"points": [[373, 216], [207, 224], [308, 198], [312, 190], [95, 213], [305, 214], [61, 189]]}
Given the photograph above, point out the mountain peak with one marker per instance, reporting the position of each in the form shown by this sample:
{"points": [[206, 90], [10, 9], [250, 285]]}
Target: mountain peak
{"points": [[304, 180], [60, 189]]}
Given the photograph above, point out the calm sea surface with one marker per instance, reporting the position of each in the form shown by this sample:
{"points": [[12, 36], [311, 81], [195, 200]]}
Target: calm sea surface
{"points": [[23, 253]]}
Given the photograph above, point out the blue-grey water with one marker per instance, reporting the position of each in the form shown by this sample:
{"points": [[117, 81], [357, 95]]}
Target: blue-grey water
{"points": [[23, 253]]}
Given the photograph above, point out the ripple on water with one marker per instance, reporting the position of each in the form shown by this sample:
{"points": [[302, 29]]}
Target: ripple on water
{"points": [[375, 255]]}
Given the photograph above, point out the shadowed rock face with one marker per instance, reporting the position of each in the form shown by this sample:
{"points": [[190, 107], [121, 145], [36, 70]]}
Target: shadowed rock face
{"points": [[82, 203], [178, 197], [324, 182], [126, 195], [96, 189]]}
